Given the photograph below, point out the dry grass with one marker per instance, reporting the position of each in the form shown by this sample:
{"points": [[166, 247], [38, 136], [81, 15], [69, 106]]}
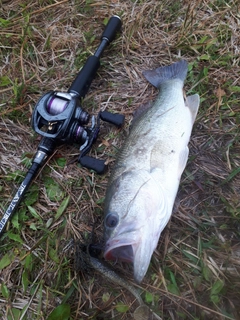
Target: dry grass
{"points": [[195, 271]]}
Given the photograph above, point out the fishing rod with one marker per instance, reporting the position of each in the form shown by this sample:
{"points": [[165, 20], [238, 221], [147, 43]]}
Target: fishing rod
{"points": [[59, 118]]}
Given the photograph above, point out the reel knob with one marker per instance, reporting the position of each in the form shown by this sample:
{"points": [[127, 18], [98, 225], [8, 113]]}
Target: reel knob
{"points": [[91, 163], [113, 118]]}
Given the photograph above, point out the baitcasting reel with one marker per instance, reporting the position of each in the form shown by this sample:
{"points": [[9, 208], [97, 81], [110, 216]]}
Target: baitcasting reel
{"points": [[59, 116]]}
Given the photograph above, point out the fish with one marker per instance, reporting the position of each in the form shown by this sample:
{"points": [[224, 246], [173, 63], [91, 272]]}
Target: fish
{"points": [[145, 178]]}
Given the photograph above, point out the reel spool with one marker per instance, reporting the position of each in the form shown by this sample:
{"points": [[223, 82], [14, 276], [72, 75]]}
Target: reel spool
{"points": [[59, 116]]}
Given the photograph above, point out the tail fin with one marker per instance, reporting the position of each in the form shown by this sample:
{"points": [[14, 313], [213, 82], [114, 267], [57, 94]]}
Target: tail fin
{"points": [[177, 70]]}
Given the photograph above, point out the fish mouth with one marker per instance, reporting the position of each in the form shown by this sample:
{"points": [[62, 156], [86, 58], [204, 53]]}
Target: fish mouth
{"points": [[120, 253], [132, 251]]}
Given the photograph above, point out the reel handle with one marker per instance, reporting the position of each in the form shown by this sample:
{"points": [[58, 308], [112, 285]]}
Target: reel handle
{"points": [[91, 163]]}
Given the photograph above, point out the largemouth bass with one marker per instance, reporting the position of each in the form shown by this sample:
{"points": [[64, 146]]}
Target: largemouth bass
{"points": [[145, 179]]}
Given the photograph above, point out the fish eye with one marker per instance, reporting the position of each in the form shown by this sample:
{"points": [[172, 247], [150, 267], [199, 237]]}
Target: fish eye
{"points": [[111, 220]]}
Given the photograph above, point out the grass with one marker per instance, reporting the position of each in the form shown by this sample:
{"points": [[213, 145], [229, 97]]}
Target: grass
{"points": [[194, 272]]}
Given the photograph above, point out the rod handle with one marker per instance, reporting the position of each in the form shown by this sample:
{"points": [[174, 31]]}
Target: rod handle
{"points": [[84, 78]]}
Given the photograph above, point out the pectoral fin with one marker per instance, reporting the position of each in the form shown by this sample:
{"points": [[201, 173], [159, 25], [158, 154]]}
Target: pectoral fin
{"points": [[183, 157], [192, 102]]}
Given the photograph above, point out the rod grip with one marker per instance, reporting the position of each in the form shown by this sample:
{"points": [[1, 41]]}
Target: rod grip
{"points": [[113, 26], [84, 78]]}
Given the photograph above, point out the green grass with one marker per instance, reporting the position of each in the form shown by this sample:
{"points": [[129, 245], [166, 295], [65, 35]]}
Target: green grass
{"points": [[194, 273]]}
